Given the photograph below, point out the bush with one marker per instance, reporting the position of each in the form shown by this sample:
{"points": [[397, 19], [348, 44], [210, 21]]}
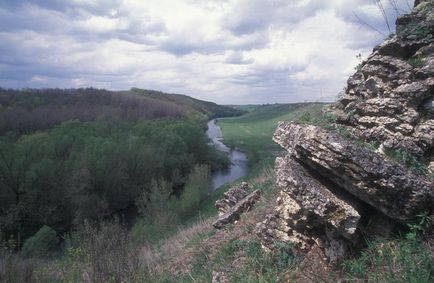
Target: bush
{"points": [[42, 244], [197, 188], [101, 253]]}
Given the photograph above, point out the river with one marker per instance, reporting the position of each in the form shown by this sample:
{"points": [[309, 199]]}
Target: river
{"points": [[238, 167]]}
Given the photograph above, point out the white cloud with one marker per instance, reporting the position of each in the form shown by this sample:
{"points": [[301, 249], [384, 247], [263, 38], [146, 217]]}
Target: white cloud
{"points": [[232, 51]]}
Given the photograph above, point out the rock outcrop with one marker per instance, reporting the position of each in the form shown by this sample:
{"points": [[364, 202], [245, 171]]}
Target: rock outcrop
{"points": [[236, 201], [330, 186], [390, 98], [334, 191]]}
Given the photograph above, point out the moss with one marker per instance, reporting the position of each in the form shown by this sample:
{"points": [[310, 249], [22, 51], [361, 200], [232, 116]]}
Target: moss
{"points": [[416, 62]]}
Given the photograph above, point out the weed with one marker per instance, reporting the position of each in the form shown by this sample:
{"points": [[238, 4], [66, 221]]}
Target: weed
{"points": [[370, 145], [416, 62], [409, 160], [100, 253], [13, 268], [422, 222], [399, 260], [360, 64], [414, 30]]}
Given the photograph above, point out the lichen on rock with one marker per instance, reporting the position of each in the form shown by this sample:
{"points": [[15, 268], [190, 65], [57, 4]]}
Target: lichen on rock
{"points": [[390, 97], [333, 191], [236, 201]]}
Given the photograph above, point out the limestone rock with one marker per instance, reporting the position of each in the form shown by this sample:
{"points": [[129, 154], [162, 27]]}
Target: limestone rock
{"points": [[391, 95], [219, 277], [381, 183], [328, 184], [316, 202], [231, 198], [236, 201], [333, 191]]}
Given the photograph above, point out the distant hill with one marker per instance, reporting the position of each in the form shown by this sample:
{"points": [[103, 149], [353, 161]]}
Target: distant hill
{"points": [[28, 110], [211, 109]]}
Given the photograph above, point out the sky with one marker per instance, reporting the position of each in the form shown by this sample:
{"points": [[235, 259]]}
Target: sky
{"points": [[226, 51]]}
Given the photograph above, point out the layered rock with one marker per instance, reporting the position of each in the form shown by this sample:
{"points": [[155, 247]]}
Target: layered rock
{"points": [[390, 97], [329, 184], [236, 201], [384, 184], [231, 198], [335, 192]]}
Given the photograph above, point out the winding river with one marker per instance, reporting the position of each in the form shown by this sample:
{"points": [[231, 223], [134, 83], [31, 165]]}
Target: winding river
{"points": [[238, 167]]}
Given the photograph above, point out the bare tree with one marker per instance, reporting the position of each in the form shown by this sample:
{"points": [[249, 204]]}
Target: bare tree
{"points": [[363, 22], [382, 7]]}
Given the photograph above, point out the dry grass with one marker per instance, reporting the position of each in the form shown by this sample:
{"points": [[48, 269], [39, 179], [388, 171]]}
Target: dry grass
{"points": [[177, 252]]}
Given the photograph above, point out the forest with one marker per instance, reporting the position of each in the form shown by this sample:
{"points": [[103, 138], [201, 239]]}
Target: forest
{"points": [[70, 156]]}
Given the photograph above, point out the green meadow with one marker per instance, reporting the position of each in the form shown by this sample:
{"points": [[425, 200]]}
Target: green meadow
{"points": [[253, 132]]}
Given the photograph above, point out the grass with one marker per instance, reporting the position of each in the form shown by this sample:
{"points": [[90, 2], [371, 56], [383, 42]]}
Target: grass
{"points": [[391, 260], [416, 62], [253, 131], [410, 161], [200, 250], [247, 107]]}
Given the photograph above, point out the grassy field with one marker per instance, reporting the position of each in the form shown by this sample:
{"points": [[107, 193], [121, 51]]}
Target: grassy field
{"points": [[253, 131]]}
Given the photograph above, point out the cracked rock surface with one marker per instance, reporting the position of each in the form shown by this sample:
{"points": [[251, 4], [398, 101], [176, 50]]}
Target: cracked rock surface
{"points": [[236, 201], [335, 192], [390, 98], [328, 184]]}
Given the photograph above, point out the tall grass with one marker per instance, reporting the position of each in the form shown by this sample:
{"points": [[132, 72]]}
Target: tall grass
{"points": [[101, 252], [392, 260]]}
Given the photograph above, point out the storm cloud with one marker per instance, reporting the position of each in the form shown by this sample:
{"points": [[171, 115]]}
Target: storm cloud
{"points": [[233, 51]]}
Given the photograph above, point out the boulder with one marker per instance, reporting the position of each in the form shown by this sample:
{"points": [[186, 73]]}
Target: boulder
{"points": [[334, 192], [236, 201], [382, 183]]}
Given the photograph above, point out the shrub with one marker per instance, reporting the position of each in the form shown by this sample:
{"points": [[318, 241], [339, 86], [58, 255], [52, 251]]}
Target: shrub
{"points": [[42, 244], [196, 189], [101, 253]]}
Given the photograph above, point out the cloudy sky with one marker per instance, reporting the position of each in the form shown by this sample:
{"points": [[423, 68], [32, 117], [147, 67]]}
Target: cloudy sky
{"points": [[227, 51]]}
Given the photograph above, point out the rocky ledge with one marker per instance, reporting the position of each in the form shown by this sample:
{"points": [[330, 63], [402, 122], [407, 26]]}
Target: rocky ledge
{"points": [[389, 99], [334, 191], [236, 201]]}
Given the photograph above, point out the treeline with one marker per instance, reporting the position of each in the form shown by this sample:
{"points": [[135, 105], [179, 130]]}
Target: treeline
{"points": [[211, 109], [25, 111], [28, 110], [95, 170]]}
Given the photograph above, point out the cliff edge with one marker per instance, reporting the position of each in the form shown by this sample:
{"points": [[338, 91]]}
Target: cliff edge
{"points": [[336, 191]]}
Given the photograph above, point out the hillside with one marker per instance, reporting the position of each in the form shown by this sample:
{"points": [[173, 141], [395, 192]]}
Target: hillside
{"points": [[210, 109], [70, 157], [117, 186], [28, 110]]}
